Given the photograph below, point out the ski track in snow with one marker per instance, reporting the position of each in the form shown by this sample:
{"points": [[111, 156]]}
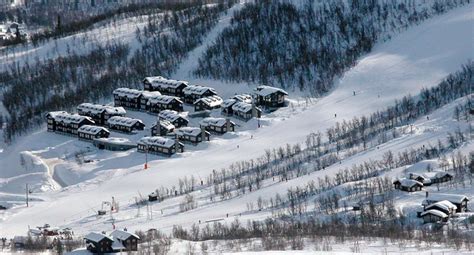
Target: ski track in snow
{"points": [[419, 57]]}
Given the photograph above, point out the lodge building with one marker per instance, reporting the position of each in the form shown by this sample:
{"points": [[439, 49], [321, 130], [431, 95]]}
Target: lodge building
{"points": [[195, 92], [173, 117], [125, 124], [193, 135], [98, 243], [227, 104], [208, 103], [128, 98], [408, 185], [66, 123], [159, 145], [90, 132], [246, 111], [217, 125], [99, 113], [159, 103], [124, 241], [270, 97], [165, 86]]}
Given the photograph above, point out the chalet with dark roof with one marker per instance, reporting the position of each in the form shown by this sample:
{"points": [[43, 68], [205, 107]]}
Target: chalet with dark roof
{"points": [[100, 113], [165, 86], [217, 125], [159, 145], [173, 117], [162, 128], [90, 132], [268, 96], [66, 123], [195, 92], [125, 124]]}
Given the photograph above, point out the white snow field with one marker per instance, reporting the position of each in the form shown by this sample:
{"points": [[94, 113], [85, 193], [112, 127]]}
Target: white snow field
{"points": [[419, 57]]}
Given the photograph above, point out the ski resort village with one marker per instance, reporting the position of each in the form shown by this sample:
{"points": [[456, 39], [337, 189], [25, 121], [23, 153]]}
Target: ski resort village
{"points": [[237, 127]]}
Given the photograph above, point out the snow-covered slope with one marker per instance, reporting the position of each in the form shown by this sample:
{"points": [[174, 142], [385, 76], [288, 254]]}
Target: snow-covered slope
{"points": [[417, 58]]}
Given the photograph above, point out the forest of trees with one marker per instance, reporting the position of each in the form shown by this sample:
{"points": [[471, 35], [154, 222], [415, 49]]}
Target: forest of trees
{"points": [[62, 83], [307, 46]]}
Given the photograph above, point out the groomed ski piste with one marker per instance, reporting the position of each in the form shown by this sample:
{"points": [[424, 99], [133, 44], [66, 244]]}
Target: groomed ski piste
{"points": [[67, 194]]}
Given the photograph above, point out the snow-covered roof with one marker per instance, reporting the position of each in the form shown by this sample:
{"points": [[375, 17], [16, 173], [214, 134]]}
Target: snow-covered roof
{"points": [[166, 124], [211, 101], [122, 235], [127, 92], [435, 174], [453, 198], [435, 212], [96, 237], [163, 99], [115, 140], [445, 204], [211, 121], [65, 117], [197, 90], [97, 108], [228, 102], [123, 121], [169, 115], [162, 82], [409, 183], [117, 244], [242, 107], [191, 131], [157, 141], [92, 130], [150, 94], [264, 90]]}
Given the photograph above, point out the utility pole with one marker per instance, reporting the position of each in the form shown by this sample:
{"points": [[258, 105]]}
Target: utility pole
{"points": [[146, 157], [27, 191]]}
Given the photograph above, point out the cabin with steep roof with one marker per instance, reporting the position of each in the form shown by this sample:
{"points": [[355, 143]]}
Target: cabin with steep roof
{"points": [[100, 113], [127, 241], [162, 128], [66, 123], [98, 243]]}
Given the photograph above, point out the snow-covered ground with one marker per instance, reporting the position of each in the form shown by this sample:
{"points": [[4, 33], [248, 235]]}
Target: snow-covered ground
{"points": [[417, 58]]}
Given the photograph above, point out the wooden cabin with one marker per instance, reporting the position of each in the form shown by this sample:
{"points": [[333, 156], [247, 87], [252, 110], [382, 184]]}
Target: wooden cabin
{"points": [[162, 128], [145, 97], [246, 111], [208, 103], [217, 125], [434, 216], [159, 103], [444, 206], [125, 124], [89, 132], [460, 201], [271, 97], [128, 98], [159, 145], [124, 241], [193, 135], [227, 104], [66, 123], [100, 113], [173, 117], [165, 86], [98, 243], [408, 185], [153, 196], [429, 178], [195, 92]]}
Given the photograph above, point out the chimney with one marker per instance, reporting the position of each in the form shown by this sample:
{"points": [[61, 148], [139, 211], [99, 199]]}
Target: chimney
{"points": [[176, 143], [227, 124], [203, 134]]}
